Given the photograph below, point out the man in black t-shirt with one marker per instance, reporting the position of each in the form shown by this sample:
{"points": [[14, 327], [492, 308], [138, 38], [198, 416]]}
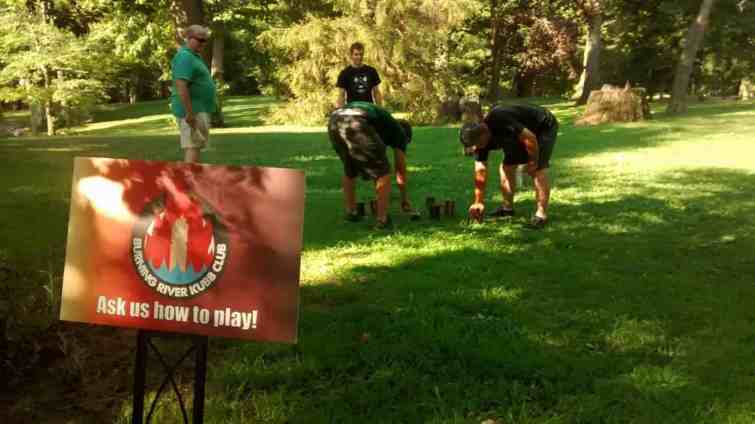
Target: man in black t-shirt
{"points": [[358, 82], [526, 134]]}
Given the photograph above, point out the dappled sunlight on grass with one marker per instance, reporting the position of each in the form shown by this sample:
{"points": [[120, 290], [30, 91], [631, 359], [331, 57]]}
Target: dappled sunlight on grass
{"points": [[630, 334], [153, 124], [653, 379]]}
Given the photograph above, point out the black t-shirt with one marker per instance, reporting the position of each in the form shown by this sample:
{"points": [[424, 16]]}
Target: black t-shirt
{"points": [[507, 122], [358, 83]]}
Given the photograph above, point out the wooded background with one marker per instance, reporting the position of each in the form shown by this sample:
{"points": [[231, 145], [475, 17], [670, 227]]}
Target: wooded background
{"points": [[63, 57]]}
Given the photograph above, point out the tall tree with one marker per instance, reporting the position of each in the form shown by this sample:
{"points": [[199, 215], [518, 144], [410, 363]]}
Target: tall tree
{"points": [[525, 47], [136, 42], [218, 60], [186, 13], [592, 12], [496, 50], [692, 43]]}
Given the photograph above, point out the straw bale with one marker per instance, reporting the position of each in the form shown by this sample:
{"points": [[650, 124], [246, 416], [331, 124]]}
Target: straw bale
{"points": [[611, 104]]}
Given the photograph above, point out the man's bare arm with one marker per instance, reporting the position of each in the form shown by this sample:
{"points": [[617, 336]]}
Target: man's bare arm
{"points": [[529, 140], [480, 178], [477, 209], [183, 94], [377, 96]]}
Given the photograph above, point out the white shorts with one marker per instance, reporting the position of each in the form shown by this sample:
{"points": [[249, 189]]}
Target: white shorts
{"points": [[195, 139]]}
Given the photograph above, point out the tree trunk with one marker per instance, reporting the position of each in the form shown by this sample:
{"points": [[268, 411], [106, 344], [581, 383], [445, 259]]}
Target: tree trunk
{"points": [[524, 85], [494, 90], [50, 118], [49, 115], [63, 114], [692, 43], [186, 13], [590, 78], [746, 89], [133, 89], [218, 53], [35, 110]]}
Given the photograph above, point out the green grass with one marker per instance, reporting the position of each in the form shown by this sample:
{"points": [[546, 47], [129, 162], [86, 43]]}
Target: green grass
{"points": [[633, 306]]}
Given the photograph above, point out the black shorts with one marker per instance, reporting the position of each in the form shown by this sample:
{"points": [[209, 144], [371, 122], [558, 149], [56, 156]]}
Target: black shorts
{"points": [[546, 139], [359, 146]]}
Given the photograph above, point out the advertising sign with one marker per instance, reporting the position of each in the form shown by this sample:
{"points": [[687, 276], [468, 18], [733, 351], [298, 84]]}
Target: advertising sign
{"points": [[190, 248]]}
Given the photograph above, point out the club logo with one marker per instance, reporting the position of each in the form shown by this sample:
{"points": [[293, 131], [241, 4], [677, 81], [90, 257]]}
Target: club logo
{"points": [[179, 247]]}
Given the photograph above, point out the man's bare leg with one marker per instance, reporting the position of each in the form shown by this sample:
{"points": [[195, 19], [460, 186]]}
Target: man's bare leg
{"points": [[543, 192], [349, 193], [191, 155], [508, 185], [383, 190]]}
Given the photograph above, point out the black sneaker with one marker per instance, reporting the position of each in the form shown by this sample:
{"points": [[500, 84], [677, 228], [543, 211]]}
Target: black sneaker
{"points": [[412, 214], [352, 216], [501, 213], [384, 225], [537, 223]]}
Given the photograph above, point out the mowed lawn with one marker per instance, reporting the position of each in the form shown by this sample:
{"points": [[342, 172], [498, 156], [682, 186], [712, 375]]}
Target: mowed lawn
{"points": [[636, 304]]}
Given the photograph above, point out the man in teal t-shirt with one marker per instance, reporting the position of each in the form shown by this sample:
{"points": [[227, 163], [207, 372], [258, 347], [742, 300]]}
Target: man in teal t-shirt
{"points": [[193, 98]]}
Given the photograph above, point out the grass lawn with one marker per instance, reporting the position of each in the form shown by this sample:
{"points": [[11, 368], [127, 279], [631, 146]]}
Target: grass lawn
{"points": [[634, 306]]}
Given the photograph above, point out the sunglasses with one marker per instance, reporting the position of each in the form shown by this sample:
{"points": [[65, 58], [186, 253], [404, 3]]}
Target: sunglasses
{"points": [[201, 40]]}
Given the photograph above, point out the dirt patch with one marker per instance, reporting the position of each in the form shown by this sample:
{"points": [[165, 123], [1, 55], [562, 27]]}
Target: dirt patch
{"points": [[72, 373]]}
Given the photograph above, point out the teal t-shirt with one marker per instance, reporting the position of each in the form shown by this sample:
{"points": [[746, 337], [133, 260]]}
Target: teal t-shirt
{"points": [[386, 126], [188, 65]]}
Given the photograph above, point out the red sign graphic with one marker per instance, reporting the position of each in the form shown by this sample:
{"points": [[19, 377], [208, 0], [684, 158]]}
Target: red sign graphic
{"points": [[192, 248]]}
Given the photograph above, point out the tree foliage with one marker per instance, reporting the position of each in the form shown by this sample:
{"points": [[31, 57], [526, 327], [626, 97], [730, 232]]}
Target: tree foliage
{"points": [[405, 40], [427, 51], [47, 66]]}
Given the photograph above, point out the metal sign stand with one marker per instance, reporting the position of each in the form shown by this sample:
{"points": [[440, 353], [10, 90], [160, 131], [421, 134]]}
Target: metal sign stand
{"points": [[143, 345]]}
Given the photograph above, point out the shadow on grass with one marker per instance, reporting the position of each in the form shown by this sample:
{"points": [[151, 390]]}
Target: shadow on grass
{"points": [[624, 310]]}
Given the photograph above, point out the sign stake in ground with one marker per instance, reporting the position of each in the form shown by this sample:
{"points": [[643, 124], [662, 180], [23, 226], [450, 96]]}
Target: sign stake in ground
{"points": [[143, 346]]}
